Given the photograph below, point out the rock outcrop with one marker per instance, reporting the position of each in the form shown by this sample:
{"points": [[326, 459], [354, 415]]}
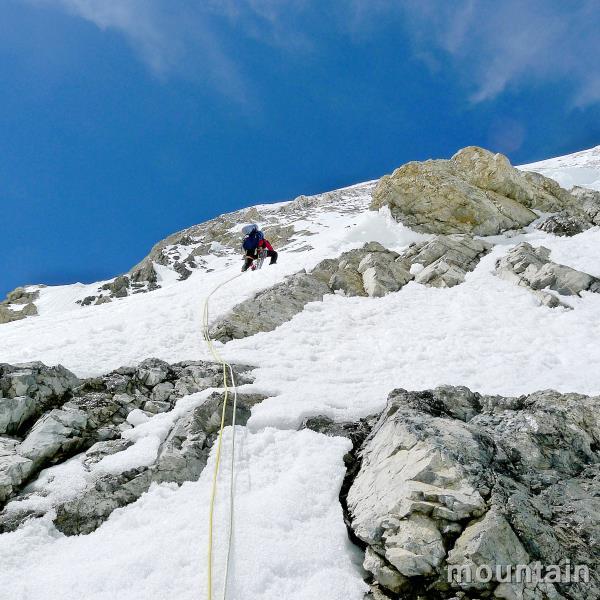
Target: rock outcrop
{"points": [[181, 457], [372, 271], [444, 261], [28, 390], [451, 481], [532, 268], [566, 224], [48, 415], [590, 203], [563, 225], [19, 304], [474, 192]]}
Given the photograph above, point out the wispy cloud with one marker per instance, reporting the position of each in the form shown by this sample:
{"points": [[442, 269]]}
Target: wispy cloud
{"points": [[170, 38], [496, 45], [491, 46]]}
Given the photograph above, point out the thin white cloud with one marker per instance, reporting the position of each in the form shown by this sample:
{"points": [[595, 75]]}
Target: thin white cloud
{"points": [[490, 46], [170, 38], [496, 45]]}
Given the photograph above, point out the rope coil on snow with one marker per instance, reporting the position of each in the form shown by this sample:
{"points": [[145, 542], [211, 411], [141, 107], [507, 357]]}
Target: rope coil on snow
{"points": [[226, 367]]}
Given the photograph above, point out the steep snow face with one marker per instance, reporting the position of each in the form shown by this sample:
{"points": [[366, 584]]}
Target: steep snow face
{"points": [[339, 357], [581, 168]]}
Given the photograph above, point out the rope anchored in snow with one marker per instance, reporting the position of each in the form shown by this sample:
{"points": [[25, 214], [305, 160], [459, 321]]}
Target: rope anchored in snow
{"points": [[226, 367]]}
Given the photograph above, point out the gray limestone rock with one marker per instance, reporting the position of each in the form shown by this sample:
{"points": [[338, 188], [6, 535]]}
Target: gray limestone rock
{"points": [[181, 457], [563, 225], [532, 268], [444, 261], [450, 481]]}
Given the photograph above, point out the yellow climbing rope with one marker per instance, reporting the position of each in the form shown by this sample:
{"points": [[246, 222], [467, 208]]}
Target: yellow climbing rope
{"points": [[226, 367]]}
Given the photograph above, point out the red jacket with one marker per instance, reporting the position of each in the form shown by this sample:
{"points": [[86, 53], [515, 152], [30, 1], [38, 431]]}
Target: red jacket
{"points": [[266, 244]]}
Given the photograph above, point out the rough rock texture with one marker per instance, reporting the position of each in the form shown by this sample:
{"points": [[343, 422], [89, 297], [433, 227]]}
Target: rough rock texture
{"points": [[29, 389], [14, 468], [444, 261], [368, 271], [450, 478], [50, 414], [278, 304], [532, 268], [474, 192], [590, 203], [181, 457], [270, 308], [563, 225], [19, 304]]}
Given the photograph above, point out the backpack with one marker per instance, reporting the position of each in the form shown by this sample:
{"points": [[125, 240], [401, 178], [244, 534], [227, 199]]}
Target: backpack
{"points": [[253, 237]]}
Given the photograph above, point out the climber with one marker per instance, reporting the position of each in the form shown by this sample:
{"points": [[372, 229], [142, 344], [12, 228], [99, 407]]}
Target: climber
{"points": [[255, 245]]}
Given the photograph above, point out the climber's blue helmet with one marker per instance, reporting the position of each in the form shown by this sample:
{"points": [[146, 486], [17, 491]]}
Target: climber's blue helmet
{"points": [[253, 235], [248, 229]]}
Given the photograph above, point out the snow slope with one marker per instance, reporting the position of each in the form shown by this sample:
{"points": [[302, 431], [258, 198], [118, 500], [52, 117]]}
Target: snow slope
{"points": [[155, 548], [581, 168], [339, 357]]}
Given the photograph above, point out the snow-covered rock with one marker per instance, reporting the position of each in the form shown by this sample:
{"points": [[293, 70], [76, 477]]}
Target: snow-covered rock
{"points": [[444, 260], [76, 414], [532, 268], [181, 457], [19, 304], [371, 270]]}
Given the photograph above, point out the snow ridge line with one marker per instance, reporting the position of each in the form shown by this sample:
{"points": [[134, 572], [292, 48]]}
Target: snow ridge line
{"points": [[226, 366]]}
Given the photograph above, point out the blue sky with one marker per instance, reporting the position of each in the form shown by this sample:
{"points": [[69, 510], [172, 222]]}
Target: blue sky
{"points": [[122, 121]]}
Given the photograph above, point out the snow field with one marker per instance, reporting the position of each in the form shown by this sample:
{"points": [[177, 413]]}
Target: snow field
{"points": [[581, 168], [342, 357], [289, 542]]}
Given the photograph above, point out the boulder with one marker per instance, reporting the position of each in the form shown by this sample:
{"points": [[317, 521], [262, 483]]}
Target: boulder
{"points": [[475, 192], [532, 268], [449, 479], [382, 273]]}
